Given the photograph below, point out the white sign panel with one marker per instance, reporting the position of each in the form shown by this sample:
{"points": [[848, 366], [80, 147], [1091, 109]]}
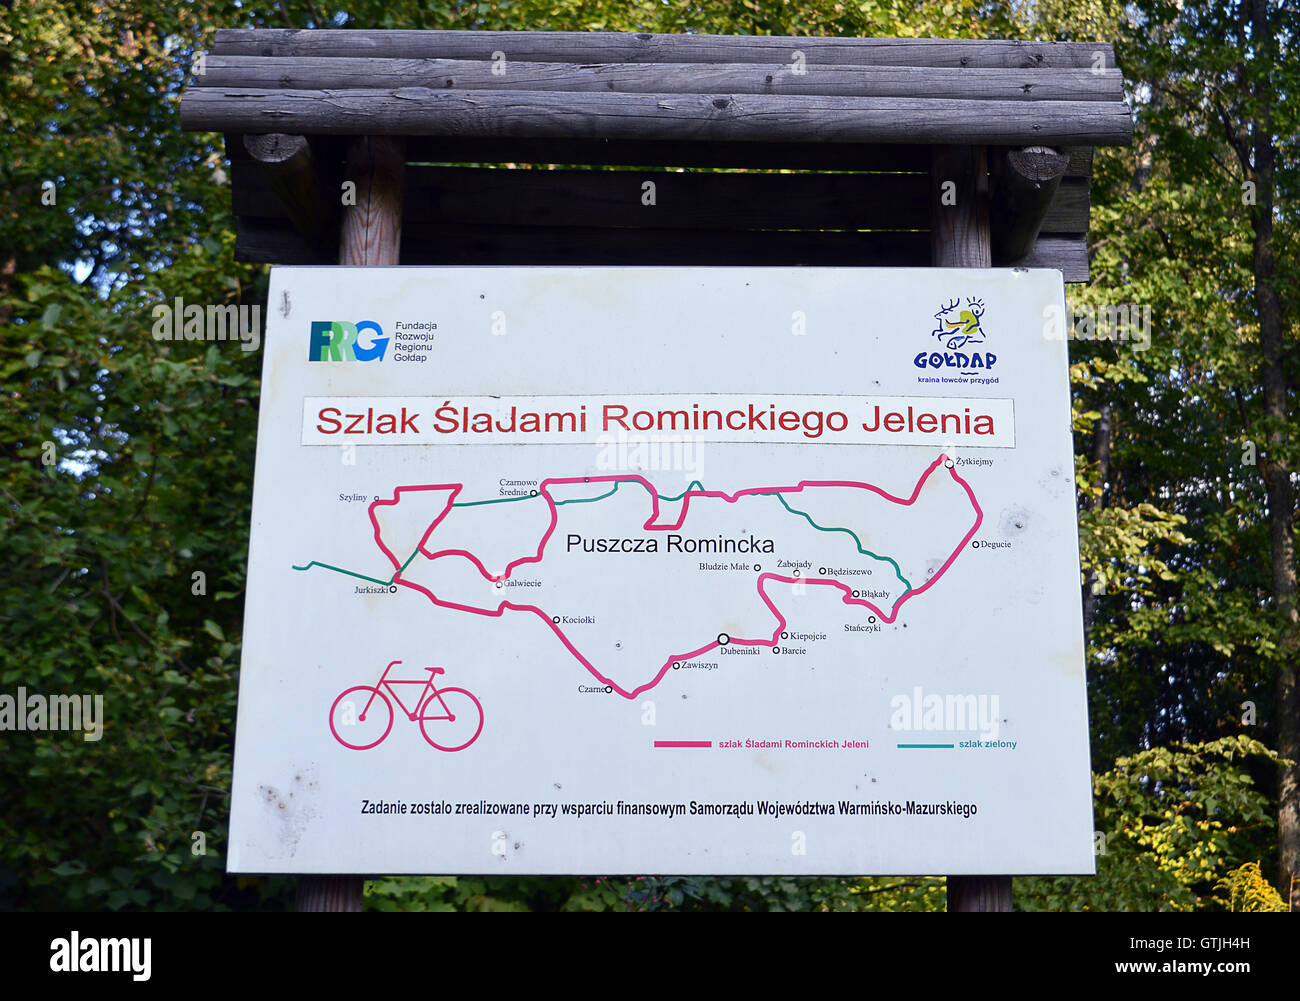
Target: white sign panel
{"points": [[663, 570]]}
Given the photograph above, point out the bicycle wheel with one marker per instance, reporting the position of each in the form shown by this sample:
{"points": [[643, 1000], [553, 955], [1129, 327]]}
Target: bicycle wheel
{"points": [[365, 727], [454, 717]]}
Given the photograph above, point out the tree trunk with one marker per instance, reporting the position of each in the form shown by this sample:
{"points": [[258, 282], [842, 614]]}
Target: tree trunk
{"points": [[1277, 474]]}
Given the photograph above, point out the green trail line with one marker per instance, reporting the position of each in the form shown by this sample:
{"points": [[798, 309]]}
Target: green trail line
{"points": [[350, 573], [360, 576], [694, 485], [858, 542]]}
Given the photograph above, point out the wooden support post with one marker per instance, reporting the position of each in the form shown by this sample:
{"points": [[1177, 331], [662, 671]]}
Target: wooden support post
{"points": [[1026, 181], [372, 227], [371, 235], [979, 893], [329, 893], [959, 238], [291, 169], [959, 208]]}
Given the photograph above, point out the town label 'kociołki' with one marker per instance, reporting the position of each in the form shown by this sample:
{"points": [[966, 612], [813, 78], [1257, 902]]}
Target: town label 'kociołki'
{"points": [[692, 570]]}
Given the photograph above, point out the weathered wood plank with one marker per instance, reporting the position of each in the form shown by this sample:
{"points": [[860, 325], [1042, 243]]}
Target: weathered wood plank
{"points": [[626, 47], [276, 241], [901, 157], [892, 158], [748, 117], [437, 244], [1070, 210], [1080, 161], [321, 73], [1068, 254], [483, 196], [480, 196]]}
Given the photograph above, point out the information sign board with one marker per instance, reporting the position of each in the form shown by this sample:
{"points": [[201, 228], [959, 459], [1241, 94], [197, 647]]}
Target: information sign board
{"points": [[667, 570]]}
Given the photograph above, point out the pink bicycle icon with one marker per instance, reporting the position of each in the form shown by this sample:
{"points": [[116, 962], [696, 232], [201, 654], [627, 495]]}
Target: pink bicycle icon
{"points": [[450, 718]]}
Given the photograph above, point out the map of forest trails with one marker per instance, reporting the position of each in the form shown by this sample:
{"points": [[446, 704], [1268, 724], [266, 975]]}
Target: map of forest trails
{"points": [[576, 552]]}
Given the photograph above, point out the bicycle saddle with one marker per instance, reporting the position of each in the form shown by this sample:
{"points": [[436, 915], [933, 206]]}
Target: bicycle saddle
{"points": [[436, 670]]}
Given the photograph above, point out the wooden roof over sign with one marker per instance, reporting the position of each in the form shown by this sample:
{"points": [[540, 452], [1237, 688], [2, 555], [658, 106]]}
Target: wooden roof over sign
{"points": [[857, 118]]}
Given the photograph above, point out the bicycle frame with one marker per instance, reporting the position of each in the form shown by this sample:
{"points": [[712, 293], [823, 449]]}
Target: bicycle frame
{"points": [[421, 702]]}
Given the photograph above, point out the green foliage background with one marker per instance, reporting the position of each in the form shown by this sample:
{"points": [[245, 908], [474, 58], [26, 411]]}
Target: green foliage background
{"points": [[154, 446]]}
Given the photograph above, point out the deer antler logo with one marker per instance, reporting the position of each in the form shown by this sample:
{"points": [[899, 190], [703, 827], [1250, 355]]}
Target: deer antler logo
{"points": [[958, 328]]}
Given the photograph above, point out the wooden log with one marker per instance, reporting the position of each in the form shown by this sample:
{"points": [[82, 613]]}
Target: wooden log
{"points": [[745, 118], [959, 229], [323, 73], [290, 170], [1025, 184], [372, 227], [626, 47]]}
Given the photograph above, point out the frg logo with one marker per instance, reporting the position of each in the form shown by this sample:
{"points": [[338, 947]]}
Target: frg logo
{"points": [[337, 341]]}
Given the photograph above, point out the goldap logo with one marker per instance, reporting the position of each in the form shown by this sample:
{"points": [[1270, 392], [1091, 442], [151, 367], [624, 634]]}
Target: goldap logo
{"points": [[958, 330], [338, 340]]}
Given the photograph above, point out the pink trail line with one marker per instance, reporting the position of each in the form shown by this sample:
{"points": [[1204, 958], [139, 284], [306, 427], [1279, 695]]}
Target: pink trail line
{"points": [[651, 525]]}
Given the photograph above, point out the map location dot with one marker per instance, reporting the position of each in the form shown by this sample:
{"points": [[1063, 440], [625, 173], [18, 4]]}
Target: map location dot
{"points": [[757, 568], [723, 639], [871, 618]]}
